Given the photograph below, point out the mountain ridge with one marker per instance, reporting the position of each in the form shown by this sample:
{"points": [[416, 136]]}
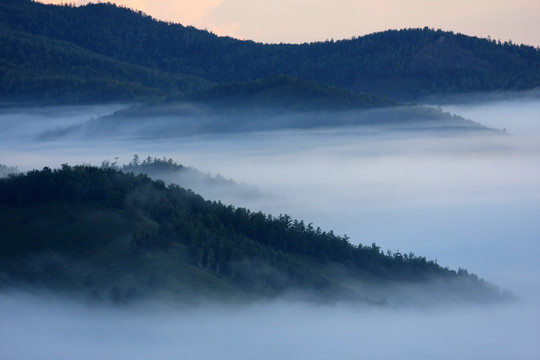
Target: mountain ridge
{"points": [[122, 237], [404, 64], [273, 104]]}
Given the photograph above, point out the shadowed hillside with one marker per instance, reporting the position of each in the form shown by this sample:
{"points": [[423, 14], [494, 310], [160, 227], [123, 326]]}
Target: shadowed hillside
{"points": [[137, 56], [277, 103], [106, 235]]}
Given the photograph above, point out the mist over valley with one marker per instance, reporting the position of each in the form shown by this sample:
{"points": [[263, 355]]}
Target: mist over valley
{"points": [[169, 193], [467, 200]]}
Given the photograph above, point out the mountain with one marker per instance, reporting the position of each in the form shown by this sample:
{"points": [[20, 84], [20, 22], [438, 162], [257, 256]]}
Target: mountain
{"points": [[105, 235], [134, 56], [66, 73], [39, 68], [283, 93], [276, 103]]}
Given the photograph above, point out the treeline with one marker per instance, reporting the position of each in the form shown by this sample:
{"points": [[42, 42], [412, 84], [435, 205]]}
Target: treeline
{"points": [[404, 64], [251, 249]]}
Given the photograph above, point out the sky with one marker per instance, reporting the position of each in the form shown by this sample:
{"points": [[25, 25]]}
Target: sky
{"points": [[298, 21]]}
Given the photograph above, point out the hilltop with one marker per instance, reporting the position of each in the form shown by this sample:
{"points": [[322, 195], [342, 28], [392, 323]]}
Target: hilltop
{"points": [[100, 52], [283, 93], [104, 235], [277, 103]]}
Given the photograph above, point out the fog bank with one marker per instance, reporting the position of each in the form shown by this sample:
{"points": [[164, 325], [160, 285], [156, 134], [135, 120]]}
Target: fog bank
{"points": [[468, 201], [465, 200], [46, 328]]}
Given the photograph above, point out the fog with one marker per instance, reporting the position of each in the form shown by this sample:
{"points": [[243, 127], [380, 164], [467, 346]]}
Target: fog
{"points": [[466, 200], [38, 328], [181, 119]]}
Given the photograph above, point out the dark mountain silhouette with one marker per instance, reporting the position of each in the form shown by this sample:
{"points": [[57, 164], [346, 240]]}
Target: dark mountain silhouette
{"points": [[276, 103], [101, 51], [107, 235]]}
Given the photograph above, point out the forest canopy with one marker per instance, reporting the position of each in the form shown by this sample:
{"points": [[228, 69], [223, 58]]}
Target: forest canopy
{"points": [[101, 51], [248, 251]]}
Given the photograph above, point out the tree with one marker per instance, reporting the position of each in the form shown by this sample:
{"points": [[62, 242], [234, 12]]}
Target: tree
{"points": [[135, 161]]}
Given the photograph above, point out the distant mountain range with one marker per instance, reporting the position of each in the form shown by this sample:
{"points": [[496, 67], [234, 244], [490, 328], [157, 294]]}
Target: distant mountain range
{"points": [[102, 52], [103, 235]]}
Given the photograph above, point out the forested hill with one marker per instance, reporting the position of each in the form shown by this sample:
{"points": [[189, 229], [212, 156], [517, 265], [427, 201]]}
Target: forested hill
{"points": [[104, 234], [131, 51], [276, 103], [285, 93]]}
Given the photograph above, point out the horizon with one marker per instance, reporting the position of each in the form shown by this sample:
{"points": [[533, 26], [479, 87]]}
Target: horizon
{"points": [[321, 20]]}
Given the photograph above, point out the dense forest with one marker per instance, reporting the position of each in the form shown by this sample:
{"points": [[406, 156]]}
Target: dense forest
{"points": [[124, 236], [276, 103], [100, 52], [283, 93]]}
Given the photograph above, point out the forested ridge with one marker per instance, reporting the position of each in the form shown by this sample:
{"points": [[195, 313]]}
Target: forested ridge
{"points": [[286, 93], [136, 56], [207, 244]]}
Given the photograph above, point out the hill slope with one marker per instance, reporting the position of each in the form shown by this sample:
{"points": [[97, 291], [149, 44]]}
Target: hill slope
{"points": [[404, 64], [284, 93], [106, 235], [48, 70], [277, 103]]}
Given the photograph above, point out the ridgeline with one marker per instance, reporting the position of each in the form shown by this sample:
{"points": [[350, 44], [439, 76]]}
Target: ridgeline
{"points": [[102, 52], [106, 235]]}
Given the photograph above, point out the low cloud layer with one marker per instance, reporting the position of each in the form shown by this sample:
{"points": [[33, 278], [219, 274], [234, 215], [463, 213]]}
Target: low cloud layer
{"points": [[458, 199], [47, 328], [467, 201]]}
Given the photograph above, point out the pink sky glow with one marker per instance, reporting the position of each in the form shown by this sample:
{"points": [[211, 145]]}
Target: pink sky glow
{"points": [[297, 21]]}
